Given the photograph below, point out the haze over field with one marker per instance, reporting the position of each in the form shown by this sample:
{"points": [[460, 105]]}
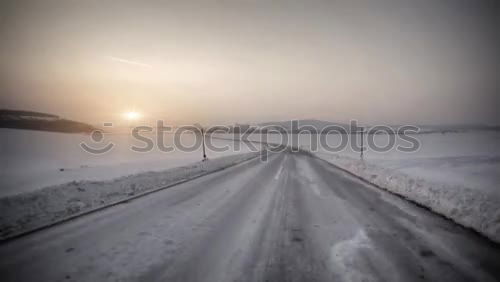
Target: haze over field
{"points": [[419, 62]]}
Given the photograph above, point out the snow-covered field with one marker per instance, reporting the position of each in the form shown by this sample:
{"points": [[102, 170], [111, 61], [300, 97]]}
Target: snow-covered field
{"points": [[470, 159], [30, 160]]}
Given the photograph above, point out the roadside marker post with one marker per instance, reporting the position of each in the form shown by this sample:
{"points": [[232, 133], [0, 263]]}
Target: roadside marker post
{"points": [[203, 142]]}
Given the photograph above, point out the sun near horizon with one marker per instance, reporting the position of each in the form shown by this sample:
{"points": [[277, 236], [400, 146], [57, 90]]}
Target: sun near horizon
{"points": [[132, 115]]}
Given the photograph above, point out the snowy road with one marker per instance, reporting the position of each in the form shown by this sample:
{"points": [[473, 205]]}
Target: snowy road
{"points": [[293, 218]]}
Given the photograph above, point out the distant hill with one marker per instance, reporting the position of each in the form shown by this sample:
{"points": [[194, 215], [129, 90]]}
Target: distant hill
{"points": [[319, 125], [457, 128], [303, 126], [41, 121]]}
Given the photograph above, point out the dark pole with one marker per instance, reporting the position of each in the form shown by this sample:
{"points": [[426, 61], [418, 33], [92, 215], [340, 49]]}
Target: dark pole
{"points": [[362, 147], [203, 141]]}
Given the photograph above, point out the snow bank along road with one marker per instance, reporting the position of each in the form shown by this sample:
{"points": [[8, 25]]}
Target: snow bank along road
{"points": [[293, 218]]}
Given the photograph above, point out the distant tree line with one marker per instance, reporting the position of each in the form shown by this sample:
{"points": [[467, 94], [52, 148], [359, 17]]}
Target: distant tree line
{"points": [[41, 121]]}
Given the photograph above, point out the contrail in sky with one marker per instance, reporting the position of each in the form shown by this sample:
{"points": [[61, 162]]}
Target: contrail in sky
{"points": [[125, 61]]}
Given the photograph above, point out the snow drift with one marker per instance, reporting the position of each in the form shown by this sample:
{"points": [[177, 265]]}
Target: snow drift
{"points": [[469, 207], [32, 210]]}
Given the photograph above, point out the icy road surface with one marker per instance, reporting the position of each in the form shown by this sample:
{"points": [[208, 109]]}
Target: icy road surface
{"points": [[293, 218]]}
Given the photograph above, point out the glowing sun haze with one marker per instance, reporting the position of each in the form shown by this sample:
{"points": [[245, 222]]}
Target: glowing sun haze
{"points": [[132, 115], [235, 61]]}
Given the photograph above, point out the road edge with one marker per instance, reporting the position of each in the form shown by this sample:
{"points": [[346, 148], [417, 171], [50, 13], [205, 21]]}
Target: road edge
{"points": [[408, 199]]}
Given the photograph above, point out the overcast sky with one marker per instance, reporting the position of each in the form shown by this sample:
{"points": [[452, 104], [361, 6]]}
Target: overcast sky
{"points": [[425, 61]]}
